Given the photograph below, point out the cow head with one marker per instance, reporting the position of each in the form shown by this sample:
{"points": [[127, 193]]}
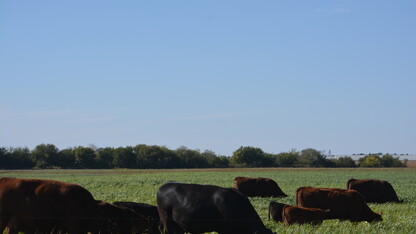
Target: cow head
{"points": [[374, 217]]}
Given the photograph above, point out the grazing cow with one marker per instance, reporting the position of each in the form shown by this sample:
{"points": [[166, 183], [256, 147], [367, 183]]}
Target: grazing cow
{"points": [[379, 191], [148, 211], [258, 187], [198, 208], [120, 219], [276, 210], [302, 215], [31, 205], [343, 204]]}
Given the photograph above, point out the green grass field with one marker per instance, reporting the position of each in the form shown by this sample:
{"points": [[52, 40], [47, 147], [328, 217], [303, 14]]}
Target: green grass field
{"points": [[142, 185]]}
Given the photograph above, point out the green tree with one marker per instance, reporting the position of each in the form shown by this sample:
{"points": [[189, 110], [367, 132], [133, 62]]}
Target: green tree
{"points": [[66, 158], [287, 159], [156, 157], [45, 156], [313, 158], [214, 160], [84, 157], [370, 160], [388, 160], [20, 158], [191, 158], [5, 159], [344, 162], [124, 158], [105, 157], [248, 157]]}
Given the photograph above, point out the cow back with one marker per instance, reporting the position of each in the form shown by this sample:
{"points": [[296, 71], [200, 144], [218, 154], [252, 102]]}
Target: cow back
{"points": [[302, 215], [148, 211], [198, 208], [258, 187], [44, 205], [343, 203], [378, 191]]}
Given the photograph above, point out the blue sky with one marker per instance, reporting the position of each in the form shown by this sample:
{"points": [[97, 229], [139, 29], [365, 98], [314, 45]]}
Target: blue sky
{"points": [[216, 75]]}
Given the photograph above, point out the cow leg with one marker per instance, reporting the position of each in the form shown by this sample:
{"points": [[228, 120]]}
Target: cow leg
{"points": [[11, 230], [2, 227], [173, 228], [74, 229]]}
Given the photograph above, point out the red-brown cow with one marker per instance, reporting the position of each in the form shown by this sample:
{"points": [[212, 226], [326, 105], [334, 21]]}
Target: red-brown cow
{"points": [[258, 187], [302, 215], [379, 191], [31, 205], [343, 204]]}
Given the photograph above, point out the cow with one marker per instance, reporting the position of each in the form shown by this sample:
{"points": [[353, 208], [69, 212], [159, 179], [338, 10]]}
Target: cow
{"points": [[199, 208], [275, 211], [344, 204], [31, 205], [301, 215], [378, 191], [148, 211], [258, 187], [120, 219], [289, 214]]}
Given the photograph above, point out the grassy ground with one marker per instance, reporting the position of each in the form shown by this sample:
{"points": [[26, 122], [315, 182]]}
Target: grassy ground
{"points": [[142, 185]]}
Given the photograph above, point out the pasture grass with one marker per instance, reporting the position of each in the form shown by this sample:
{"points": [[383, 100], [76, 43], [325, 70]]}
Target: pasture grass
{"points": [[142, 186]]}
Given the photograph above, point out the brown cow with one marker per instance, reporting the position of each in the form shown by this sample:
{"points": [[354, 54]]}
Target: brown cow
{"points": [[31, 205], [258, 187], [343, 204], [301, 215], [289, 214], [379, 191]]}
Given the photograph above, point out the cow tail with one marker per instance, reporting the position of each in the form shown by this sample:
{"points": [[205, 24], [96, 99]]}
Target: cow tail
{"points": [[298, 196]]}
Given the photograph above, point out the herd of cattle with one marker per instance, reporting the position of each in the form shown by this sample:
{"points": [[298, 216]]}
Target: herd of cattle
{"points": [[47, 206]]}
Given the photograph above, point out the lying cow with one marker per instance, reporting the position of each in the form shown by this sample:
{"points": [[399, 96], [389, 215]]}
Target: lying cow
{"points": [[148, 211], [343, 204], [120, 219], [30, 205], [258, 187], [198, 208], [379, 191], [302, 215], [289, 214]]}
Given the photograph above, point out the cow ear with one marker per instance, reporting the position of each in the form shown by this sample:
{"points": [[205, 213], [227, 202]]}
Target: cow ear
{"points": [[380, 213]]}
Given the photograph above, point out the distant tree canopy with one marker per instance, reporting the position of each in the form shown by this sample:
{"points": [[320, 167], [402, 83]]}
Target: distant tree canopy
{"points": [[143, 156], [387, 160]]}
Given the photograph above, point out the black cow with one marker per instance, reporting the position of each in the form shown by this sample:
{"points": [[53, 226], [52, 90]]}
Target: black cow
{"points": [[198, 208], [275, 210], [148, 211]]}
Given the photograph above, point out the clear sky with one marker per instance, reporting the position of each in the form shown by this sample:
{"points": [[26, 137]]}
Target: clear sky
{"points": [[216, 75]]}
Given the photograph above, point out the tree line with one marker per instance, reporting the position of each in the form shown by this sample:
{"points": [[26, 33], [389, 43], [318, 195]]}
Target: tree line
{"points": [[48, 156]]}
